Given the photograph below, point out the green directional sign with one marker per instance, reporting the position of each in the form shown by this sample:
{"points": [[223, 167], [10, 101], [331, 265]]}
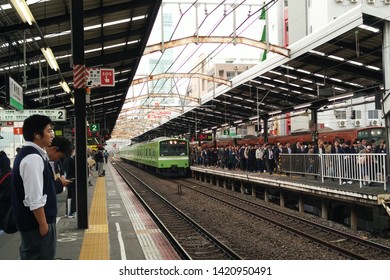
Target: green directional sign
{"points": [[95, 127]]}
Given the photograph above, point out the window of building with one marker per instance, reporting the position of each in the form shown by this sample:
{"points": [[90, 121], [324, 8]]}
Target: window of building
{"points": [[356, 114], [373, 114], [230, 75], [340, 115]]}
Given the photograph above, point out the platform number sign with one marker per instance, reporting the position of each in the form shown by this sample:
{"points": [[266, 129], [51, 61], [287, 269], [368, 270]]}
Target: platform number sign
{"points": [[95, 128], [226, 132]]}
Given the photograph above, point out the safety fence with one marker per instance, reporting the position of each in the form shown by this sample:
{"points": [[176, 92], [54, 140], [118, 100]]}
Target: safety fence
{"points": [[364, 168]]}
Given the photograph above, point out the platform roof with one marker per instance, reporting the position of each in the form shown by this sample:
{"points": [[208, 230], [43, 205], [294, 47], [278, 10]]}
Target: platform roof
{"points": [[343, 58], [119, 44]]}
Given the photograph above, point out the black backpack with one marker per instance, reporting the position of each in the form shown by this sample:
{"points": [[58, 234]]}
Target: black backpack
{"points": [[7, 220]]}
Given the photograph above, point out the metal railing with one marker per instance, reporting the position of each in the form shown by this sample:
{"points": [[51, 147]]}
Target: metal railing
{"points": [[364, 168]]}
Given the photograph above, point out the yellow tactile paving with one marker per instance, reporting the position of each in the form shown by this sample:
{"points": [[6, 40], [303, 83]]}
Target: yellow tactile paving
{"points": [[95, 243]]}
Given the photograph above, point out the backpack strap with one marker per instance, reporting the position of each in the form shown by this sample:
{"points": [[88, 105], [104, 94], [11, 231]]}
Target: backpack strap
{"points": [[5, 177]]}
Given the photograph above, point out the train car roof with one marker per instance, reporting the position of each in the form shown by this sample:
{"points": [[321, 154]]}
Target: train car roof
{"points": [[158, 139]]}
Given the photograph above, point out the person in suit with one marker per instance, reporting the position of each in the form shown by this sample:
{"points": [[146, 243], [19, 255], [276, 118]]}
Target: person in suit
{"points": [[60, 148], [70, 172], [99, 163], [269, 159], [339, 161]]}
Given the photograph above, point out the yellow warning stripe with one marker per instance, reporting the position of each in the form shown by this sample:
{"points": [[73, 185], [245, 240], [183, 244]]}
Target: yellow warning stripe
{"points": [[95, 242]]}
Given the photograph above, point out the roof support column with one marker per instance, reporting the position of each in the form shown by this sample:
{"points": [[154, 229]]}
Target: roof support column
{"points": [[313, 125], [386, 94], [265, 120], [80, 113]]}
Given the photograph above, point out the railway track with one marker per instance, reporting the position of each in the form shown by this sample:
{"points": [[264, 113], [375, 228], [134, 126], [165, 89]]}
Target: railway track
{"points": [[347, 245], [190, 240]]}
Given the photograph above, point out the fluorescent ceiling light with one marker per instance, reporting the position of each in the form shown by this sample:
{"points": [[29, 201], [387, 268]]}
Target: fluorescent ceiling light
{"points": [[51, 60], [290, 76], [340, 97], [302, 106], [23, 11], [239, 121], [303, 71], [369, 98], [65, 86], [373, 67], [336, 58], [316, 52], [253, 118], [355, 62], [275, 112], [369, 28]]}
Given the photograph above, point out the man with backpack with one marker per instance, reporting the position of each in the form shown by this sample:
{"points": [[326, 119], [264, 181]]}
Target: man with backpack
{"points": [[34, 198]]}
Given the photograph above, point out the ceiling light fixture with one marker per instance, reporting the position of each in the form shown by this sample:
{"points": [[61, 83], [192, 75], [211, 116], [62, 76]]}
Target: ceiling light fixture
{"points": [[23, 11], [340, 97], [51, 60], [65, 86], [275, 112], [302, 106]]}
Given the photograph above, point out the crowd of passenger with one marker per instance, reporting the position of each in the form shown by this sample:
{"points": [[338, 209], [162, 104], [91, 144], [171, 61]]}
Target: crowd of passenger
{"points": [[268, 157]]}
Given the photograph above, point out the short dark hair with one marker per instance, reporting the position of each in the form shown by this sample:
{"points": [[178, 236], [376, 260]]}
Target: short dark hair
{"points": [[34, 124], [63, 144]]}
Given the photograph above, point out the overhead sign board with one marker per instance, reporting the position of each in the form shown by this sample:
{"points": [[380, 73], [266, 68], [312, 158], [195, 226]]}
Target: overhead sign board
{"points": [[100, 77], [15, 94], [19, 116]]}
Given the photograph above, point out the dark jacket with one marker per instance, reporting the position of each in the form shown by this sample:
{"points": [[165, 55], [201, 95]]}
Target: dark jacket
{"points": [[340, 150], [25, 218], [99, 157], [70, 167]]}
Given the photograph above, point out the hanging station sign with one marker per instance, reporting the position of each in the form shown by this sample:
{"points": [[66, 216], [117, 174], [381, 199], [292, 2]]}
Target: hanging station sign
{"points": [[21, 115]]}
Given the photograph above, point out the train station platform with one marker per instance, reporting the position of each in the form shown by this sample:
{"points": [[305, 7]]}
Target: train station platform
{"points": [[364, 207], [119, 228]]}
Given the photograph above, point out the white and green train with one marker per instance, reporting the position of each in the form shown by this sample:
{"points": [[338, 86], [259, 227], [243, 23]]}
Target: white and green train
{"points": [[167, 156]]}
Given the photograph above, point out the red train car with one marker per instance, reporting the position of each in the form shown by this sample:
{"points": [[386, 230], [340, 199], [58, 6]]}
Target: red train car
{"points": [[374, 132]]}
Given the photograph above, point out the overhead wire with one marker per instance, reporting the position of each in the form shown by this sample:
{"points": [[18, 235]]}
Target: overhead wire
{"points": [[208, 34], [215, 51]]}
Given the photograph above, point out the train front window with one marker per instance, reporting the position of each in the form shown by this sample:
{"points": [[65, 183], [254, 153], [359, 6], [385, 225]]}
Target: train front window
{"points": [[173, 148], [371, 133], [377, 133]]}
